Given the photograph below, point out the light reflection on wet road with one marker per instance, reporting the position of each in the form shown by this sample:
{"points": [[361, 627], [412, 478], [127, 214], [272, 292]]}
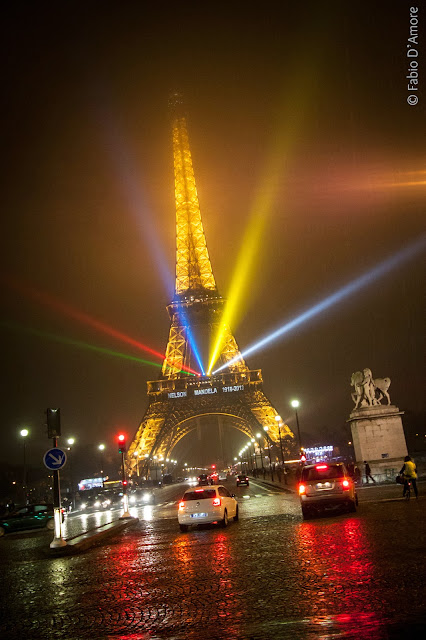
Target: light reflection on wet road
{"points": [[271, 575]]}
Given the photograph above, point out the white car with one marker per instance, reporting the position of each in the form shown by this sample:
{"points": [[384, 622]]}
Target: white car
{"points": [[207, 505]]}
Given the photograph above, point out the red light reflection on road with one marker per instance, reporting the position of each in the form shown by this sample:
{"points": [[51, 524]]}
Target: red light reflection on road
{"points": [[337, 573], [211, 567]]}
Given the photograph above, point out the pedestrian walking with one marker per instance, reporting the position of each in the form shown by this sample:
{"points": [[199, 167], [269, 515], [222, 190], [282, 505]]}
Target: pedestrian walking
{"points": [[409, 473], [367, 472]]}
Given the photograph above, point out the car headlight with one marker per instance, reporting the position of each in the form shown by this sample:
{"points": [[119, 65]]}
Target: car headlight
{"points": [[146, 497], [132, 499], [83, 505], [97, 504]]}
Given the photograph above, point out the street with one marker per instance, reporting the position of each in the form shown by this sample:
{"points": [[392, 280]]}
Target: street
{"points": [[270, 575]]}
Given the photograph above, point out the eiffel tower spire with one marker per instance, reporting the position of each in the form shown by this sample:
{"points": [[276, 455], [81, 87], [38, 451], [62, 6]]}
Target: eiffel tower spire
{"points": [[194, 272], [196, 301]]}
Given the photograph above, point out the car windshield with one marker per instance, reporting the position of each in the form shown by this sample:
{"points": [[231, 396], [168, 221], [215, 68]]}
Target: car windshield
{"points": [[326, 473], [200, 495]]}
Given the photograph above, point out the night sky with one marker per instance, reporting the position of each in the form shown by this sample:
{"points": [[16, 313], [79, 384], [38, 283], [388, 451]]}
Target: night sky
{"points": [[307, 101]]}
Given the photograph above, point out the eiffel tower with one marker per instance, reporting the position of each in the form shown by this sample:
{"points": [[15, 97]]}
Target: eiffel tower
{"points": [[178, 401]]}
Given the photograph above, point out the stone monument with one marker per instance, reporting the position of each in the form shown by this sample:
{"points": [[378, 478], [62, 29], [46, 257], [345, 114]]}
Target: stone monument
{"points": [[377, 431]]}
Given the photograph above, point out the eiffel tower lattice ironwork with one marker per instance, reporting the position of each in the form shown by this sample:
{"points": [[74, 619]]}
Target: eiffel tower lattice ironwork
{"points": [[177, 399]]}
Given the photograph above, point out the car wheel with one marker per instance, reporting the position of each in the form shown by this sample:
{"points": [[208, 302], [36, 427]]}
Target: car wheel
{"points": [[352, 507], [306, 513], [2, 531], [183, 527], [224, 521], [356, 499], [50, 524], [236, 517]]}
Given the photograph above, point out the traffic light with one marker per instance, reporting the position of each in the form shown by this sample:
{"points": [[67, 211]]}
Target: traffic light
{"points": [[53, 423], [121, 443]]}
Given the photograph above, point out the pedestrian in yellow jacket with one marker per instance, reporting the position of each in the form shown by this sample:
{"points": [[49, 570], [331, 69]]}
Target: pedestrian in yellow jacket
{"points": [[409, 473]]}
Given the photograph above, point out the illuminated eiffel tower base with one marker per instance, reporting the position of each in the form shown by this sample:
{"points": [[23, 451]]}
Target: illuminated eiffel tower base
{"points": [[177, 400]]}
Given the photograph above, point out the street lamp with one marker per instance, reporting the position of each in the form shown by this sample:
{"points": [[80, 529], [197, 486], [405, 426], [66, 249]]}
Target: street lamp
{"points": [[101, 448], [271, 470], [280, 423], [259, 435], [24, 433], [70, 442], [296, 404]]}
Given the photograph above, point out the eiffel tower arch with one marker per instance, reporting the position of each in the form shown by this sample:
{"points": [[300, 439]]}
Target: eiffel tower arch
{"points": [[178, 397]]}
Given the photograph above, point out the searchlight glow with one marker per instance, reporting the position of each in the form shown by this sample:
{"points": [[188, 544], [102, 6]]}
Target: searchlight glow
{"points": [[359, 283]]}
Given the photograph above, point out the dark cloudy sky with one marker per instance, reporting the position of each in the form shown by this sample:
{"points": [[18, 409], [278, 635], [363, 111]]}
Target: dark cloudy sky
{"points": [[88, 207]]}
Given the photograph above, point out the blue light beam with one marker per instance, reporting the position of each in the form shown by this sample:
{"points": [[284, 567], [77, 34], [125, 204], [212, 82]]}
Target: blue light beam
{"points": [[362, 281], [192, 342]]}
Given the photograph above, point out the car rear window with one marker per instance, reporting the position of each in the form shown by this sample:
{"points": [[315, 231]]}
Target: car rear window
{"points": [[200, 495], [320, 474]]}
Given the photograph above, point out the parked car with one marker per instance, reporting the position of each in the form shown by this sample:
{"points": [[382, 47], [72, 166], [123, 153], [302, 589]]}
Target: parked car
{"points": [[241, 479], [31, 516], [210, 505], [324, 486]]}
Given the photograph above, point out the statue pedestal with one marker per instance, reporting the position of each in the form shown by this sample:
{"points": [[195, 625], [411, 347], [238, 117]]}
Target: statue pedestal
{"points": [[378, 437]]}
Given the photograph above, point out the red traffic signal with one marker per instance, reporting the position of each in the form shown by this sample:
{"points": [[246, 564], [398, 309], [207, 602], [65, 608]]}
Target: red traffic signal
{"points": [[121, 443]]}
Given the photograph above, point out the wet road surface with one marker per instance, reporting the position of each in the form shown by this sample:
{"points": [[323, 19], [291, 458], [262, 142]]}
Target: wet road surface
{"points": [[271, 575]]}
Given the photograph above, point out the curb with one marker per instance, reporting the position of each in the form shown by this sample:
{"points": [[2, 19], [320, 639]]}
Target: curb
{"points": [[93, 536]]}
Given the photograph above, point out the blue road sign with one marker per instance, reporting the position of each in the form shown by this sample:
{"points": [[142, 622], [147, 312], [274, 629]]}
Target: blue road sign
{"points": [[55, 459]]}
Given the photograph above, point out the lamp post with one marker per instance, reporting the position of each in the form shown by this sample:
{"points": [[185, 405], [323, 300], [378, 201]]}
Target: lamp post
{"points": [[70, 442], [280, 423], [101, 448], [271, 469], [259, 435], [296, 404], [253, 464], [24, 433]]}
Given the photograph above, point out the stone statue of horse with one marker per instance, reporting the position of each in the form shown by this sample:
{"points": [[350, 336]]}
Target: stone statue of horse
{"points": [[366, 388]]}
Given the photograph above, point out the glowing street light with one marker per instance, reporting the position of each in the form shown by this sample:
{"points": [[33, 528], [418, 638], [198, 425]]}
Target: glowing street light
{"points": [[280, 423], [296, 404], [70, 442], [24, 433]]}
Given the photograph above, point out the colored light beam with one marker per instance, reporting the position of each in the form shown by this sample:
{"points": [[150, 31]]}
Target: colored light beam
{"points": [[289, 121], [77, 343], [359, 283], [67, 310], [192, 342], [130, 178], [126, 167]]}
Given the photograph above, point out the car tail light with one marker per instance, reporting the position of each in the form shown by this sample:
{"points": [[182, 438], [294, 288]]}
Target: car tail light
{"points": [[181, 505], [346, 484], [216, 502], [302, 489], [321, 467]]}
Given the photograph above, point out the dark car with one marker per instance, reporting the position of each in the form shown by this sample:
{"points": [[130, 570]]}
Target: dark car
{"points": [[203, 479], [241, 479], [31, 516], [326, 486]]}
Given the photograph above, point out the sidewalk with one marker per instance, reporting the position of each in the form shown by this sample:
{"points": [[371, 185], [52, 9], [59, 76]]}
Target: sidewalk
{"points": [[93, 536]]}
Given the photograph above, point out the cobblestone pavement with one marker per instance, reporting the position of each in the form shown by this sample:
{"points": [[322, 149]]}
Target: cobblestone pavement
{"points": [[271, 575]]}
